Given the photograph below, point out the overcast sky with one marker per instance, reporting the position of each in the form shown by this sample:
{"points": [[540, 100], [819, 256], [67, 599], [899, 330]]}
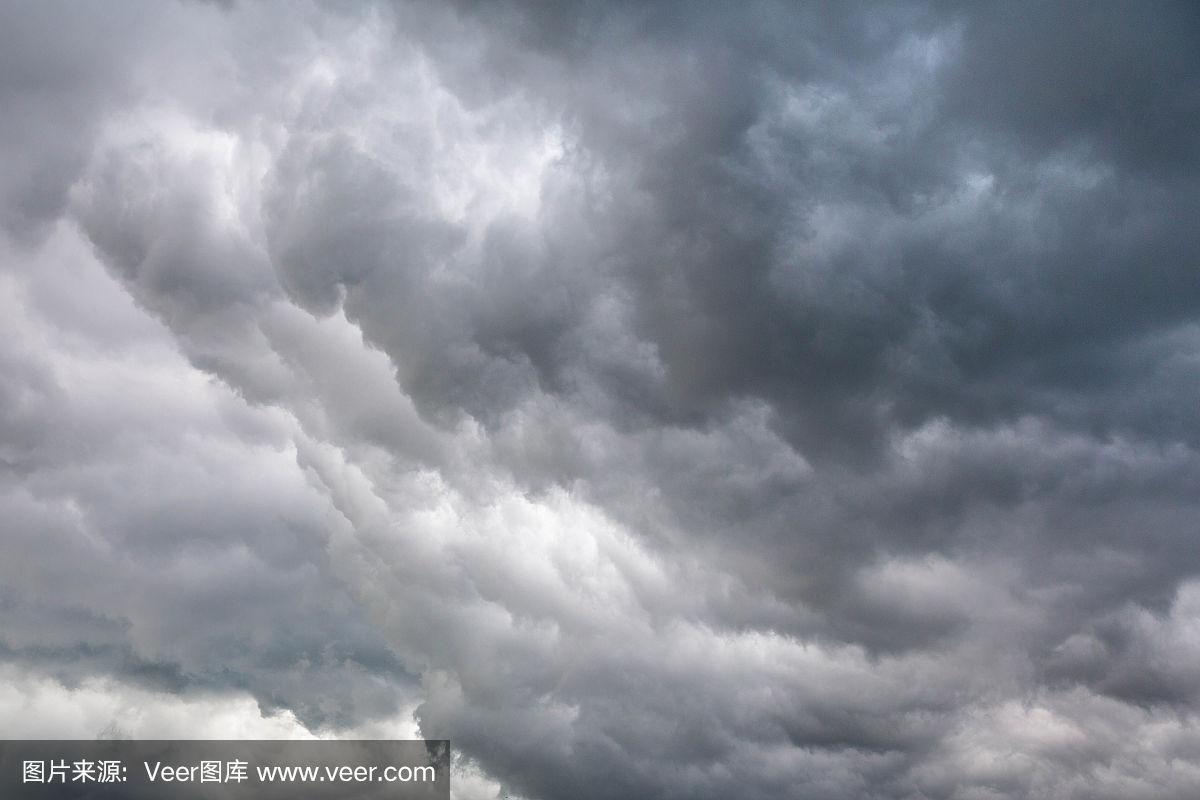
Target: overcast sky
{"points": [[661, 401]]}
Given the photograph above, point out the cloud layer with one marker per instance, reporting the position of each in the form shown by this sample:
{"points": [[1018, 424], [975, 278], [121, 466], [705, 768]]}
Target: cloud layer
{"points": [[660, 401]]}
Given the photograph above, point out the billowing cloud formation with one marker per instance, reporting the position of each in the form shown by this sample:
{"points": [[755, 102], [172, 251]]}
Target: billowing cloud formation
{"points": [[659, 401]]}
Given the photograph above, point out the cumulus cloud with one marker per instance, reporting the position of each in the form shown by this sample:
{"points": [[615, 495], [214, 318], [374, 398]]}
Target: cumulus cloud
{"points": [[657, 401]]}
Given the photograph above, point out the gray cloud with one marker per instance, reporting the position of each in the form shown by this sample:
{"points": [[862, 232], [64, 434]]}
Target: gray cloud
{"points": [[659, 401]]}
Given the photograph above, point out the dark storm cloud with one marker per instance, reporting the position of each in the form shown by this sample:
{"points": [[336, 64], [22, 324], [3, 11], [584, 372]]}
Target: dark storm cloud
{"points": [[818, 207], [670, 400]]}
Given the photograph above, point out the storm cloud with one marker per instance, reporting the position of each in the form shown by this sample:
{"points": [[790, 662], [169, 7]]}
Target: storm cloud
{"points": [[657, 400]]}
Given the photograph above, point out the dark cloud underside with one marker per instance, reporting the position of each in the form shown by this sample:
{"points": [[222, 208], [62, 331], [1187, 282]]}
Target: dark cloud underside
{"points": [[658, 400]]}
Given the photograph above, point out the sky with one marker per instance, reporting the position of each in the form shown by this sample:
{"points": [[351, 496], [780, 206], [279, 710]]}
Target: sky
{"points": [[658, 400]]}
